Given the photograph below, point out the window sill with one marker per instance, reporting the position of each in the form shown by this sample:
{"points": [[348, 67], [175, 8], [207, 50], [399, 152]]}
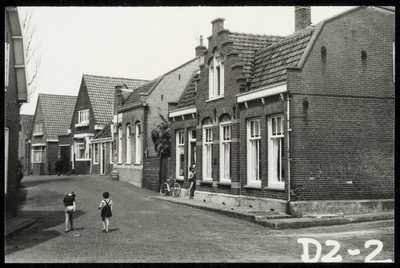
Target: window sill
{"points": [[275, 187], [84, 124], [95, 164], [127, 164], [38, 134], [137, 164], [224, 183], [179, 179], [82, 160], [119, 163], [216, 98], [206, 182], [253, 186]]}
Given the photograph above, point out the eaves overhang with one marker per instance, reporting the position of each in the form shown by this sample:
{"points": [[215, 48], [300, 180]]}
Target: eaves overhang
{"points": [[182, 112], [262, 93]]}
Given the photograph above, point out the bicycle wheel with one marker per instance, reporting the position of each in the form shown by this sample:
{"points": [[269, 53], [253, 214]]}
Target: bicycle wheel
{"points": [[163, 189], [177, 189]]}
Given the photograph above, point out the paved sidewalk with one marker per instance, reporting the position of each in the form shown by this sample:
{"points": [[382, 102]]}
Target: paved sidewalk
{"points": [[15, 224], [277, 220]]}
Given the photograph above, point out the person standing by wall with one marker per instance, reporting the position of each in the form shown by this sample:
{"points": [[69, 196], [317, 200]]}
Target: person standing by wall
{"points": [[59, 166], [192, 181]]}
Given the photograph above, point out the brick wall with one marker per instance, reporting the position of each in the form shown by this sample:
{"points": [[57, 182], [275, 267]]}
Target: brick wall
{"points": [[12, 123], [151, 173], [342, 112]]}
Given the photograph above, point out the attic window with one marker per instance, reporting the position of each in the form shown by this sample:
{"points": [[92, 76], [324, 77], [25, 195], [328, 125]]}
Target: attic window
{"points": [[323, 53], [363, 55]]}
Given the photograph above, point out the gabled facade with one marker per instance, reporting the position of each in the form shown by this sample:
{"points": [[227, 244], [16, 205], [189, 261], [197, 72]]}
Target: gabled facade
{"points": [[93, 111], [301, 124], [24, 148], [15, 93], [52, 116], [135, 119]]}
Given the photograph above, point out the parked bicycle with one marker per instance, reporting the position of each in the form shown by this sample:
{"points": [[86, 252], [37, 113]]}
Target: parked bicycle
{"points": [[170, 187]]}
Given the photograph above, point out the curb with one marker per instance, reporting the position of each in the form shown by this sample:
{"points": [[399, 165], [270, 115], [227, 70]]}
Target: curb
{"points": [[289, 223]]}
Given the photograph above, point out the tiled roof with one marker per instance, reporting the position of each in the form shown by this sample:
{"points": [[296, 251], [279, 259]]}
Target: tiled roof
{"points": [[27, 122], [246, 44], [57, 113], [101, 91], [270, 63], [134, 96], [104, 133], [188, 97]]}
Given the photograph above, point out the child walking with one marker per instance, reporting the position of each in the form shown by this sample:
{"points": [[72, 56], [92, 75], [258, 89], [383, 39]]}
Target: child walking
{"points": [[106, 211]]}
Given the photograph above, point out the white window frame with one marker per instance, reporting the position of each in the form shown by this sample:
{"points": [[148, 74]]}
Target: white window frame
{"points": [[128, 144], [7, 63], [6, 150], [38, 129], [96, 154], [207, 152], [72, 147], [180, 148], [83, 116], [87, 149], [225, 160], [111, 152], [275, 176], [216, 74], [120, 150], [191, 154], [39, 151], [138, 143], [253, 153]]}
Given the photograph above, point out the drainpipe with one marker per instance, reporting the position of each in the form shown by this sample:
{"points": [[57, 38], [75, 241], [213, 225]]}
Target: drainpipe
{"points": [[288, 143]]}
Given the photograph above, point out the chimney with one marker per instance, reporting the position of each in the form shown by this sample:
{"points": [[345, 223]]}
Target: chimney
{"points": [[119, 99], [200, 49], [217, 25], [302, 15]]}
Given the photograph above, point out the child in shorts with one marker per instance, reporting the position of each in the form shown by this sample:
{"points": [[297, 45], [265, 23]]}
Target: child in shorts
{"points": [[106, 211]]}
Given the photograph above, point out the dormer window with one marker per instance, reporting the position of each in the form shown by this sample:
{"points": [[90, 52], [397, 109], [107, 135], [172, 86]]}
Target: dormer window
{"points": [[216, 78], [83, 117], [38, 129]]}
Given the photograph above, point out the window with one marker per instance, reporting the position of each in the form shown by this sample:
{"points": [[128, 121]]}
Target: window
{"points": [[6, 144], [38, 129], [253, 152], [128, 144], [207, 152], [225, 151], [111, 152], [83, 116], [96, 153], [216, 78], [39, 154], [180, 153], [82, 149], [120, 145], [7, 61], [72, 157], [275, 151], [191, 148], [138, 154]]}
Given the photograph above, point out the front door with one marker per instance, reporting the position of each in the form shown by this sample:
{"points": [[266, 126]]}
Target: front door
{"points": [[65, 154]]}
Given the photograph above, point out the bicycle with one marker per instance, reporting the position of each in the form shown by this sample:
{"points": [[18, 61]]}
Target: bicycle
{"points": [[170, 187]]}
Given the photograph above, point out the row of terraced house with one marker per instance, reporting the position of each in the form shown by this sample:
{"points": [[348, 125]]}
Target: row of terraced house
{"points": [[297, 124]]}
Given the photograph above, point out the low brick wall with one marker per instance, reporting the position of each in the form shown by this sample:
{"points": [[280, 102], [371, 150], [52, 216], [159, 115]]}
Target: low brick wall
{"points": [[151, 173], [130, 173]]}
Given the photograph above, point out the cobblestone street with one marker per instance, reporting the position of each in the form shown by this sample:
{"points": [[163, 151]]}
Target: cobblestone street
{"points": [[148, 230]]}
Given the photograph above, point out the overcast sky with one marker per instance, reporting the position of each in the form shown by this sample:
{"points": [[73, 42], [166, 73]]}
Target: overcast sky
{"points": [[138, 42]]}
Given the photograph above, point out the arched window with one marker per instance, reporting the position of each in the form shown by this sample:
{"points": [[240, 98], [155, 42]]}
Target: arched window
{"points": [[207, 148], [216, 77], [138, 143], [225, 147], [128, 144]]}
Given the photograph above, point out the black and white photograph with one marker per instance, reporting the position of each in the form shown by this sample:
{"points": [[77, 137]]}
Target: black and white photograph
{"points": [[199, 134]]}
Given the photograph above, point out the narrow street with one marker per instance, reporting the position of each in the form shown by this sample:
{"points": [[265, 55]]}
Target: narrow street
{"points": [[148, 230]]}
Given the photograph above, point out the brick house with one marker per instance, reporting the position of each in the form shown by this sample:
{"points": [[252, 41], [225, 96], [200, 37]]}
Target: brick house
{"points": [[15, 93], [52, 118], [93, 111], [24, 148], [138, 162], [306, 124]]}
